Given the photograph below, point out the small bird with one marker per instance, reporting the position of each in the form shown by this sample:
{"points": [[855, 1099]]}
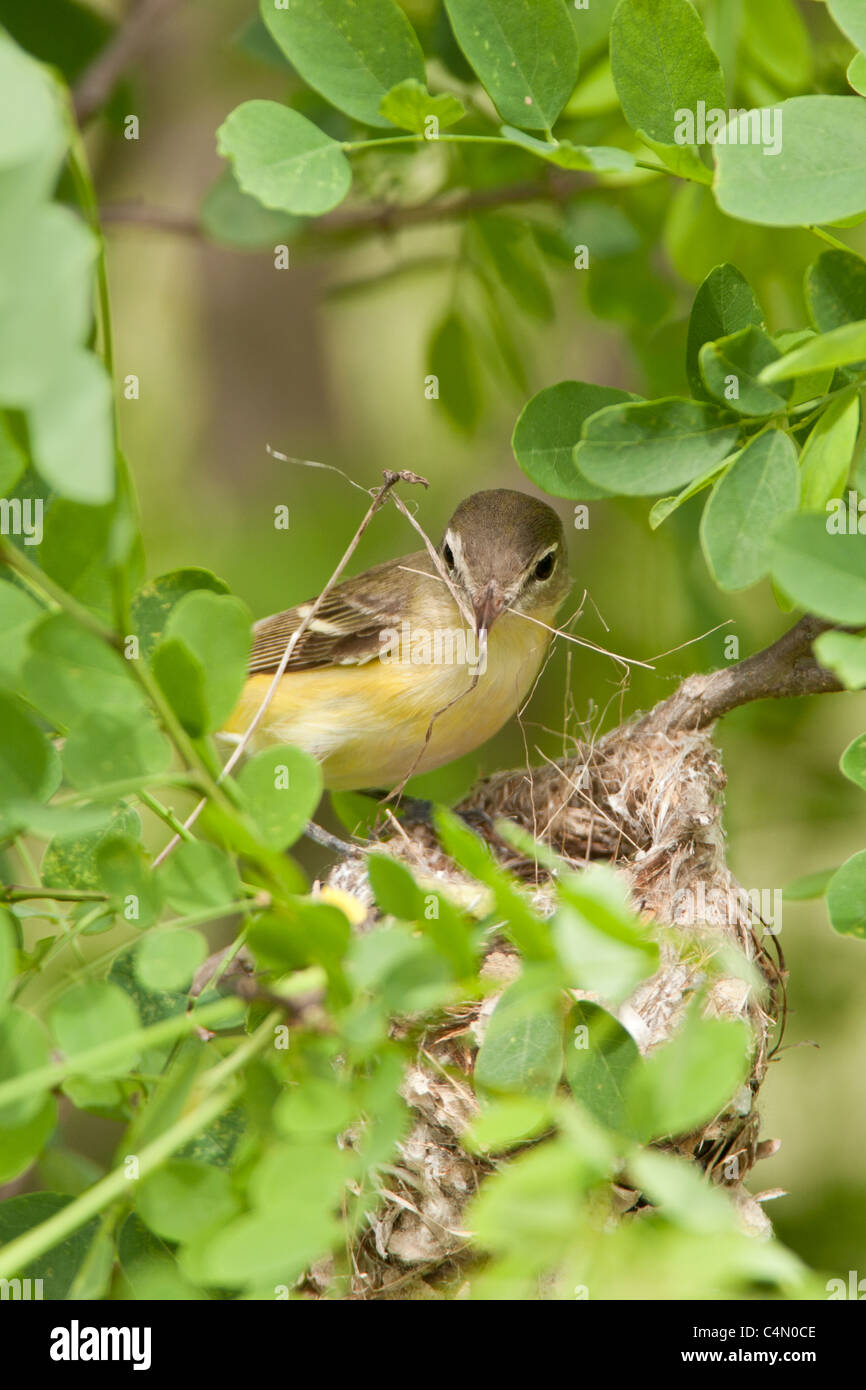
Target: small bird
{"points": [[388, 680]]}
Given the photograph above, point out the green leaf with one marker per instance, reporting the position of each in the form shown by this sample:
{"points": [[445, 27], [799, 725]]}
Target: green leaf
{"points": [[846, 897], [834, 349], [599, 1058], [598, 159], [72, 431], [511, 250], [808, 887], [662, 509], [452, 360], [32, 136], [197, 875], [548, 430], [506, 1122], [28, 762], [805, 388], [153, 603], [167, 958], [23, 1048], [410, 106], [522, 1047], [682, 1192], [186, 1198], [853, 761], [283, 160], [266, 1247], [108, 747], [70, 672], [826, 457], [760, 486], [46, 283], [233, 218], [352, 54], [602, 945], [92, 1013], [399, 895], [66, 1170], [401, 969], [57, 1267], [662, 64], [851, 19], [534, 1207], [315, 1106], [524, 53], [857, 73], [302, 933], [122, 868], [23, 1143], [281, 787], [822, 572], [647, 448], [836, 289], [724, 304], [731, 369], [75, 552], [152, 1006], [395, 890], [93, 1276], [72, 861], [524, 928], [13, 459], [818, 176], [689, 1079], [844, 655], [201, 660]]}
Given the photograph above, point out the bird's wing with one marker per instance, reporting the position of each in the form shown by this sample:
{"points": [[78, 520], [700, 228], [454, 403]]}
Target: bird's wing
{"points": [[347, 629]]}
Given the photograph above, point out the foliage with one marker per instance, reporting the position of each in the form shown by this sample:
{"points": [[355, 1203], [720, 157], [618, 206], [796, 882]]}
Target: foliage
{"points": [[228, 1178]]}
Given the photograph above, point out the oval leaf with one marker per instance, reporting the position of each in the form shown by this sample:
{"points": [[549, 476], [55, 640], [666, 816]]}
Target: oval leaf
{"points": [[524, 53], [823, 572], [662, 64], [747, 501], [647, 448], [284, 160], [281, 787], [818, 176], [846, 897], [353, 54], [548, 429]]}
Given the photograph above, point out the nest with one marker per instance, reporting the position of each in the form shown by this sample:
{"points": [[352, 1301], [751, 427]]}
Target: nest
{"points": [[647, 798]]}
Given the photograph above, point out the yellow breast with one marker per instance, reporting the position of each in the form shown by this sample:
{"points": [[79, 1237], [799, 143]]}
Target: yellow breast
{"points": [[367, 725]]}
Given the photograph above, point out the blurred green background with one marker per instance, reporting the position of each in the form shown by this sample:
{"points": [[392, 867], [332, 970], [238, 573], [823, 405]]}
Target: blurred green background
{"points": [[233, 355]]}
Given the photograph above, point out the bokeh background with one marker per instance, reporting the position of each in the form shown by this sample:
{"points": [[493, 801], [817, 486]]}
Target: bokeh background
{"points": [[326, 362]]}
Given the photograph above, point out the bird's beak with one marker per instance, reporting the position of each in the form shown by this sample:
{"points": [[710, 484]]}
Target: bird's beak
{"points": [[488, 606]]}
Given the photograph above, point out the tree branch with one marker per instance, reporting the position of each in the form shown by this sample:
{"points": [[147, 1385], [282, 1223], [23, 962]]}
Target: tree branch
{"points": [[98, 81], [557, 188], [785, 668]]}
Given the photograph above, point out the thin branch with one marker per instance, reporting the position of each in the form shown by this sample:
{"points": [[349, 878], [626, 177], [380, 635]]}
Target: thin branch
{"points": [[556, 188], [99, 80]]}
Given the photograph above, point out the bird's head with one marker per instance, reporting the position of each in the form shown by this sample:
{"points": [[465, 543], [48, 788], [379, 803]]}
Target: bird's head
{"points": [[504, 549]]}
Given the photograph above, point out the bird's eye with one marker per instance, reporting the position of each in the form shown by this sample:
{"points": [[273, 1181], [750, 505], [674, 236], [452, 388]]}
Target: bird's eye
{"points": [[544, 568], [448, 556]]}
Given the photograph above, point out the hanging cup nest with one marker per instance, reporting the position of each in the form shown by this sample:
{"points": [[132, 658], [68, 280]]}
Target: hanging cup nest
{"points": [[647, 799]]}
